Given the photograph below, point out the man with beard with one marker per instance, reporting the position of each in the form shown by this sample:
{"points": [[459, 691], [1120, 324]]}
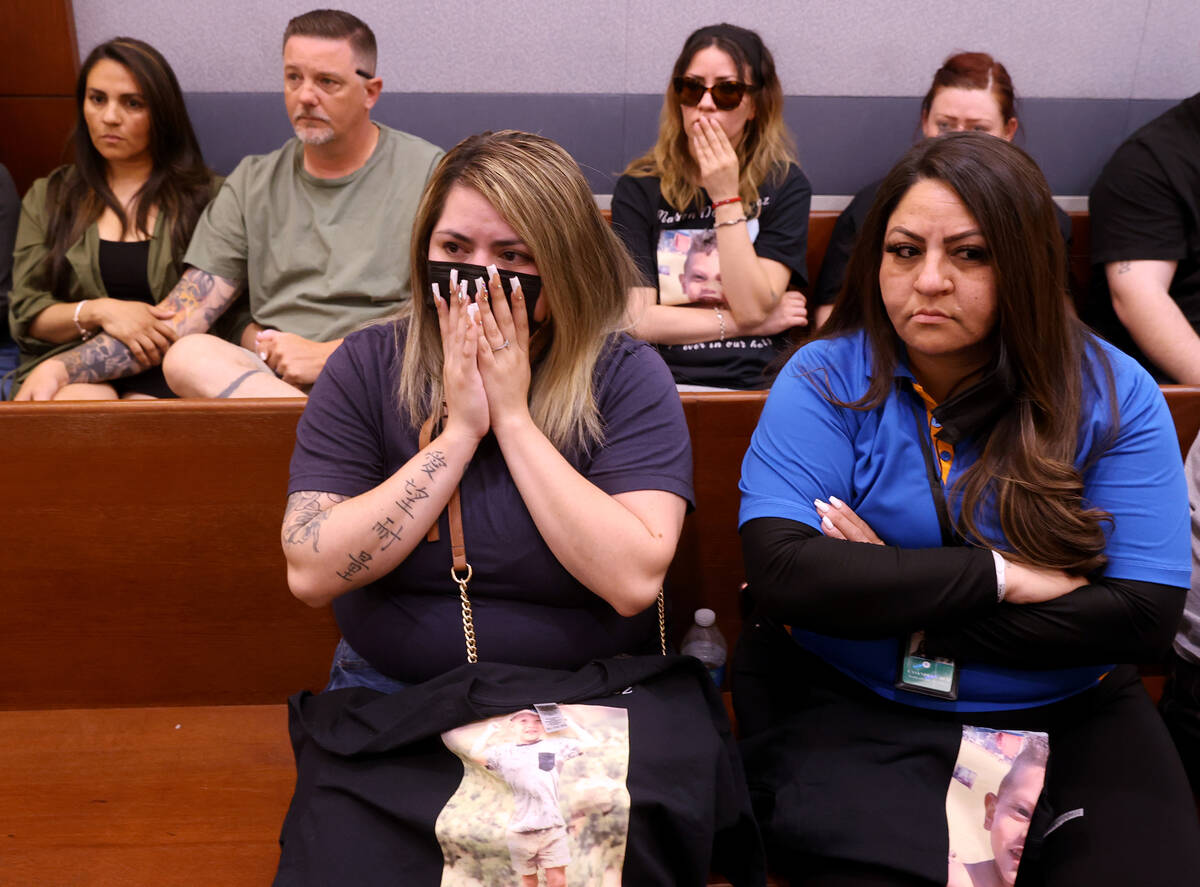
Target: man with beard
{"points": [[313, 237]]}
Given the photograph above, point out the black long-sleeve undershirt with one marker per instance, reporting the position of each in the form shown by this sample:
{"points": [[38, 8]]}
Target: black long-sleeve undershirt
{"points": [[855, 590]]}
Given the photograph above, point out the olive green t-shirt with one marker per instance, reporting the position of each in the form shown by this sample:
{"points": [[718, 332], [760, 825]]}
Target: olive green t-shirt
{"points": [[320, 257]]}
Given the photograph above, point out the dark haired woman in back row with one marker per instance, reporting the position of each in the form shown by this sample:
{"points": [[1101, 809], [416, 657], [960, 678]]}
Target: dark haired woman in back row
{"points": [[721, 182], [961, 512], [101, 242], [971, 92]]}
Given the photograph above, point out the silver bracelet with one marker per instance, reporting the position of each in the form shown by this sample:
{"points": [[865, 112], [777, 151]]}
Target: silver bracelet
{"points": [[739, 220], [84, 335], [721, 318], [998, 560]]}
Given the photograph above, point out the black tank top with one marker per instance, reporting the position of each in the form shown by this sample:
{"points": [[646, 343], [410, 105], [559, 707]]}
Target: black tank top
{"points": [[123, 270]]}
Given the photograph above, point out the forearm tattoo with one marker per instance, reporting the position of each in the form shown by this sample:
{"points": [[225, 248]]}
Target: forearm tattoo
{"points": [[305, 513], [100, 359], [197, 300], [390, 528]]}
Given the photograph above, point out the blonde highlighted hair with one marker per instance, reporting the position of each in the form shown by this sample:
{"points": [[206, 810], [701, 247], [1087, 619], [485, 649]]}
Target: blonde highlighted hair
{"points": [[539, 190], [766, 148]]}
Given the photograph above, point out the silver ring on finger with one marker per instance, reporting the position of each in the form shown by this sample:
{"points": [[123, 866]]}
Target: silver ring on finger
{"points": [[502, 347]]}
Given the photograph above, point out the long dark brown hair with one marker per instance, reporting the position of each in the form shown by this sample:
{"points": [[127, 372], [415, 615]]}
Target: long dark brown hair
{"points": [[1026, 472], [179, 183]]}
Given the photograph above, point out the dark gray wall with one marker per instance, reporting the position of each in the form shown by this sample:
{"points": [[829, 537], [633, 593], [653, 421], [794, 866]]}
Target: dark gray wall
{"points": [[844, 142]]}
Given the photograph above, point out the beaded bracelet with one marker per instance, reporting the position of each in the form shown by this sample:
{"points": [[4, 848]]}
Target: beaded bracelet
{"points": [[84, 335], [721, 318], [726, 201]]}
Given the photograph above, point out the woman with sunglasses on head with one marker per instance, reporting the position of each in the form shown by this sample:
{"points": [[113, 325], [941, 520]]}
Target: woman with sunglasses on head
{"points": [[724, 163], [101, 242], [971, 92]]}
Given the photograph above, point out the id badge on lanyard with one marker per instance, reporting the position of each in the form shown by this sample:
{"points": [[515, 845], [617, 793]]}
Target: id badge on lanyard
{"points": [[917, 672]]}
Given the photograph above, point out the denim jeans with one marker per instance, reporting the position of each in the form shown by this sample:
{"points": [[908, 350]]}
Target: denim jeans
{"points": [[9, 356], [351, 670]]}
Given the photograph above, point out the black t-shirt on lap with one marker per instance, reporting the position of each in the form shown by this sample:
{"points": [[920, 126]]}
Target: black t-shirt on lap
{"points": [[528, 610]]}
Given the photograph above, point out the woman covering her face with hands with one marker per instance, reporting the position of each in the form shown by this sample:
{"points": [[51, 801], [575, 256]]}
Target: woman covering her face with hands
{"points": [[723, 163], [565, 437], [101, 242], [549, 453], [961, 509]]}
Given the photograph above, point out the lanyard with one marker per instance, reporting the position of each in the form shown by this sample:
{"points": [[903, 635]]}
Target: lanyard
{"points": [[932, 475]]}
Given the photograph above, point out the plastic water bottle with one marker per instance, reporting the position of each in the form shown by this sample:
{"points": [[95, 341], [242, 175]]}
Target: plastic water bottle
{"points": [[703, 640]]}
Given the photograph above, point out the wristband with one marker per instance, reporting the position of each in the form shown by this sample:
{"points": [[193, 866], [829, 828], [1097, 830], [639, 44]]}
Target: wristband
{"points": [[721, 318], [726, 201], [998, 560], [84, 335]]}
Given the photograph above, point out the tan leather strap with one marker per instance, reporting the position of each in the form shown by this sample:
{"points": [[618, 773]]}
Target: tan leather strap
{"points": [[461, 571], [458, 546], [458, 551]]}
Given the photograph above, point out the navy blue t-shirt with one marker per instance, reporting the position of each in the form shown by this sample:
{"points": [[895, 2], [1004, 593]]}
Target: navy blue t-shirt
{"points": [[528, 609]]}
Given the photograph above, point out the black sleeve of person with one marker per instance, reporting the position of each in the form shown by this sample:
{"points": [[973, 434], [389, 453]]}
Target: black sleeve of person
{"points": [[845, 589], [1112, 620], [854, 590], [841, 245], [837, 257]]}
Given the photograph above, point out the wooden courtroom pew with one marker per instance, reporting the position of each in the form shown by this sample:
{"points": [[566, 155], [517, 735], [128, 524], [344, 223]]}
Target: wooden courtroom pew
{"points": [[150, 639]]}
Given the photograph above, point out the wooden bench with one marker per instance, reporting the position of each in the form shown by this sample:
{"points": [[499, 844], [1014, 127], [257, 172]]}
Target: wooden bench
{"points": [[151, 640]]}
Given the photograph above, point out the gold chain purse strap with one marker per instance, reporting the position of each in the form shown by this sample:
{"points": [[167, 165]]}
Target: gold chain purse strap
{"points": [[461, 571]]}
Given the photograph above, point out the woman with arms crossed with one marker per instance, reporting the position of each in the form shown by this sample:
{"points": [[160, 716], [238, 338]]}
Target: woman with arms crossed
{"points": [[100, 243], [959, 478], [724, 164]]}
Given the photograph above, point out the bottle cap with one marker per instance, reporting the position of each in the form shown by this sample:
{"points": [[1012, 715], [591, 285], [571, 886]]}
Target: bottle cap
{"points": [[705, 617]]}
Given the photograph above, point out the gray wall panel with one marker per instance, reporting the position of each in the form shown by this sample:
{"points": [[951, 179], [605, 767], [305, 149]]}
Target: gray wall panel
{"points": [[1169, 53], [844, 142]]}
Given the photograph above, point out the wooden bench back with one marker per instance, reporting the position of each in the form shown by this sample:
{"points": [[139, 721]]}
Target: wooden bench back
{"points": [[140, 564]]}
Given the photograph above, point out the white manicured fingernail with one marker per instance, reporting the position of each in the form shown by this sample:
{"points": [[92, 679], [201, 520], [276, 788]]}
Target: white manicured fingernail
{"points": [[472, 311], [838, 503], [516, 285], [453, 278], [821, 506], [437, 293], [492, 272], [262, 355], [480, 287], [827, 523]]}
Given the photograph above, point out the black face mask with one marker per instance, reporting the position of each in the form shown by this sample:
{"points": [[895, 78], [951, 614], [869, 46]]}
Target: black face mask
{"points": [[531, 284]]}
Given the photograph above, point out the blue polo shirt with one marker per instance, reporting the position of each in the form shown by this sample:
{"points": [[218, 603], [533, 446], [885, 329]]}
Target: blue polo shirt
{"points": [[806, 447]]}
